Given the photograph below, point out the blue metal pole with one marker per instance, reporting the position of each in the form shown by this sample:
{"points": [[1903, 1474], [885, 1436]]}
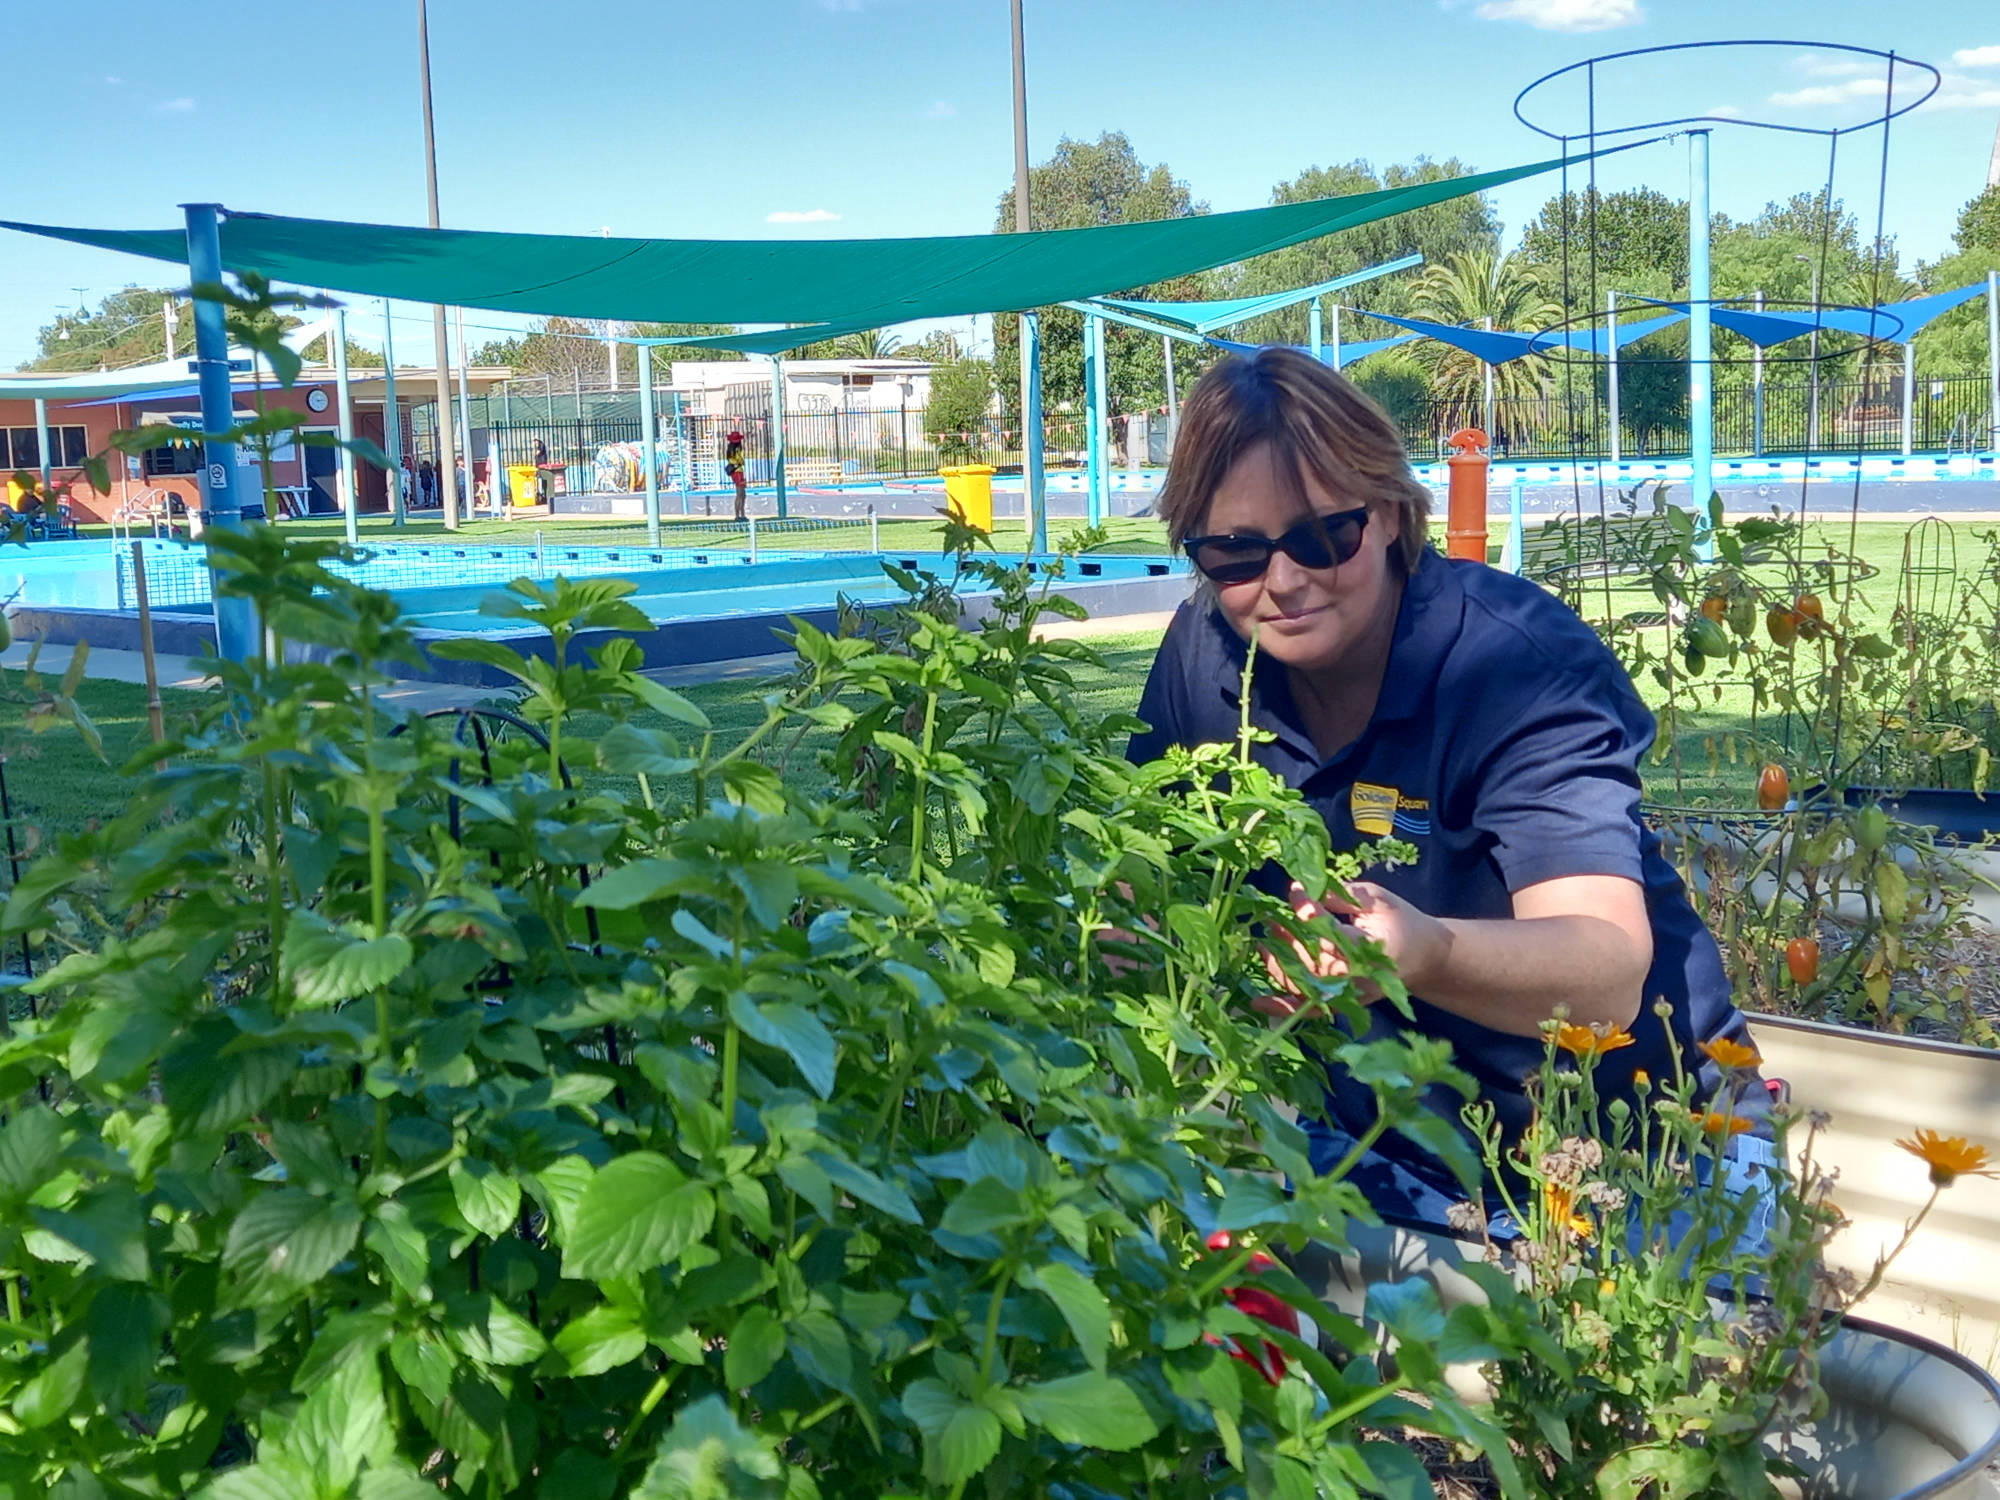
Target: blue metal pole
{"points": [[235, 619], [392, 417], [350, 494], [1091, 457], [1313, 334], [649, 437], [1100, 420], [778, 431], [685, 447], [1034, 476], [1701, 345]]}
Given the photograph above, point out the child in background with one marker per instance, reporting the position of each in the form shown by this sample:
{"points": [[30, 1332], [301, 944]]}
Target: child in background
{"points": [[732, 465]]}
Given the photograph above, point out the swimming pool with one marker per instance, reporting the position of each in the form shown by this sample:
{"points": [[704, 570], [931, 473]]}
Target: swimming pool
{"points": [[791, 585]]}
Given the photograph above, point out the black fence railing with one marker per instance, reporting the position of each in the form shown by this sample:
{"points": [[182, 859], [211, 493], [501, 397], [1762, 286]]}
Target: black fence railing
{"points": [[1950, 413], [879, 444]]}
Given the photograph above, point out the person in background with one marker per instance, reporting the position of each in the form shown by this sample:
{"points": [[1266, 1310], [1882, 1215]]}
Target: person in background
{"points": [[732, 465], [541, 454]]}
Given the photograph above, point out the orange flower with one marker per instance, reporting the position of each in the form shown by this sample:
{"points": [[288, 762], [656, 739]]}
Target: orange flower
{"points": [[1641, 1079], [1560, 1201], [1591, 1041], [1949, 1157], [1725, 1125], [1730, 1054]]}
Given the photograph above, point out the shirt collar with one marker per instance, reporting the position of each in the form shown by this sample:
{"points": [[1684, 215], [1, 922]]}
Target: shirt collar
{"points": [[1428, 622]]}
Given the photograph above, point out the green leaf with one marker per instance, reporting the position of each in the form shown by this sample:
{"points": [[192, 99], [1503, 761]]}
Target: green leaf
{"points": [[486, 653], [1082, 1306], [210, 1089], [109, 1226], [708, 1455], [793, 1030], [645, 880], [755, 786], [637, 1213], [602, 1339], [488, 1197], [574, 1474], [755, 1346], [343, 1419], [665, 702], [868, 1187], [125, 1326], [402, 1247], [327, 964], [967, 1445], [30, 1143], [395, 1481], [1092, 1410], [283, 1242], [275, 1478], [55, 1388], [629, 750]]}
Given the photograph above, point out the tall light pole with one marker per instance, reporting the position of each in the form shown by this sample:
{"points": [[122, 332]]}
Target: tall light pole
{"points": [[447, 448], [1812, 368], [1034, 491]]}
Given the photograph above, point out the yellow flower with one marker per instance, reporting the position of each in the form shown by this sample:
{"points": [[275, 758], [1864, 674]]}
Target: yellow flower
{"points": [[1728, 1054], [1725, 1125], [1560, 1201], [1641, 1079], [1607, 1287], [1949, 1157], [1591, 1041]]}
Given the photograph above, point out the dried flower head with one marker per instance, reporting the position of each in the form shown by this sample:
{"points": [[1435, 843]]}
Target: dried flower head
{"points": [[1592, 1041], [1727, 1054], [1949, 1157], [1588, 1151], [1465, 1218], [1603, 1195], [1818, 1119]]}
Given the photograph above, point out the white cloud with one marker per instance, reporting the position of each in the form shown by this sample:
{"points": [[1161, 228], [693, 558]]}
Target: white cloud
{"points": [[943, 109], [1565, 15], [1977, 57], [1725, 112], [113, 79], [178, 106], [802, 216], [1955, 91]]}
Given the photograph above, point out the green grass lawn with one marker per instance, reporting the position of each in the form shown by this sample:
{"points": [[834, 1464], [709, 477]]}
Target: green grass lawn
{"points": [[55, 785]]}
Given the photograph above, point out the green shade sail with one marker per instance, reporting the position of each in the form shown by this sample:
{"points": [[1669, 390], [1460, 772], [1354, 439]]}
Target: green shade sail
{"points": [[832, 286]]}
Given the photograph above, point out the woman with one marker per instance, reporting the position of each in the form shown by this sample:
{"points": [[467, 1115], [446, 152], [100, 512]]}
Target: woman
{"points": [[1459, 709]]}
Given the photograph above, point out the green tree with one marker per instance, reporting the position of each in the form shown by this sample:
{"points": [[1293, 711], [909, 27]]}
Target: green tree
{"points": [[1438, 232], [1089, 183], [1585, 244], [1467, 290], [940, 346], [358, 356], [960, 401], [1979, 223], [874, 343], [127, 328], [687, 353]]}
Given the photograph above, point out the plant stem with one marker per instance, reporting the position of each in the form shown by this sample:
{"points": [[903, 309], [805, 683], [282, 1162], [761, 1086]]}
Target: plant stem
{"points": [[992, 1340], [921, 802], [654, 1395], [378, 910]]}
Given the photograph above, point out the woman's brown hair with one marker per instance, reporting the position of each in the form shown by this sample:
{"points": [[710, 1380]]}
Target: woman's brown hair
{"points": [[1316, 422]]}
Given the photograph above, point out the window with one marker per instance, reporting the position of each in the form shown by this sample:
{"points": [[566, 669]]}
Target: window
{"points": [[20, 447], [181, 456]]}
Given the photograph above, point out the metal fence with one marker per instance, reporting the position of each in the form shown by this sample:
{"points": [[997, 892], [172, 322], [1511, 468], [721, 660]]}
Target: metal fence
{"points": [[878, 444], [178, 577], [1950, 413]]}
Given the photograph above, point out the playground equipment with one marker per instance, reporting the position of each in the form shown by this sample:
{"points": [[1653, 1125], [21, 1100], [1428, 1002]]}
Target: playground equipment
{"points": [[620, 468]]}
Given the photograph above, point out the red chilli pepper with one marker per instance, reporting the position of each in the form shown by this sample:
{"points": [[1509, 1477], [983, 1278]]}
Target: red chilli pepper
{"points": [[1267, 1359]]}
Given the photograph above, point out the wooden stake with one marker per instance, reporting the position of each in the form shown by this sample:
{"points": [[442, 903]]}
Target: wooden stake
{"points": [[155, 714]]}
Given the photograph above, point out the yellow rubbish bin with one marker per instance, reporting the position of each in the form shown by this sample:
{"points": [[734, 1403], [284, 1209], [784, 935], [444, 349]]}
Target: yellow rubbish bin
{"points": [[968, 490], [524, 482]]}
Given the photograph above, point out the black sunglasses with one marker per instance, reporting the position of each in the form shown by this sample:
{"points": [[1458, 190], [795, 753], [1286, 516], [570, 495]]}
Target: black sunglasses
{"points": [[1316, 542]]}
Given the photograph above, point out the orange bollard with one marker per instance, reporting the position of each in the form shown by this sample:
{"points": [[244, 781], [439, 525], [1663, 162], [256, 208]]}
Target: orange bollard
{"points": [[1465, 520]]}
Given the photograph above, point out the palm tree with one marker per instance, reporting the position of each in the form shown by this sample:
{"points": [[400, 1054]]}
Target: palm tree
{"points": [[1466, 290], [874, 344]]}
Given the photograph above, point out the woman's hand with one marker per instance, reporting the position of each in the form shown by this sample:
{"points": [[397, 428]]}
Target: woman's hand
{"points": [[1415, 942]]}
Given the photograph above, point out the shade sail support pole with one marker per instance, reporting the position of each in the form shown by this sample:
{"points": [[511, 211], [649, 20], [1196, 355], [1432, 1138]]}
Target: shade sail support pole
{"points": [[392, 418], [222, 505], [649, 436], [1611, 377], [350, 493], [778, 433], [1314, 337], [1034, 474], [1701, 334]]}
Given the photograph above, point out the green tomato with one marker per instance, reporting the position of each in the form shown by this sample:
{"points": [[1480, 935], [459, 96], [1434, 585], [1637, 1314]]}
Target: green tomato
{"points": [[1707, 637], [1871, 829], [1694, 661]]}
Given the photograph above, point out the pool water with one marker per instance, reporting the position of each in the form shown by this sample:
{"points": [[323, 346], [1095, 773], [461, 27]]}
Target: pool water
{"points": [[726, 590]]}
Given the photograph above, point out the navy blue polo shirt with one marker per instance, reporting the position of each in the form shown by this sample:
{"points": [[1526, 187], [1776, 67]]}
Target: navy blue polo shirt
{"points": [[1505, 747]]}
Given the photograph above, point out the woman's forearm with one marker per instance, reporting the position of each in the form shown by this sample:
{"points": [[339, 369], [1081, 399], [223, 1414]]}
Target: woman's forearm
{"points": [[1513, 974]]}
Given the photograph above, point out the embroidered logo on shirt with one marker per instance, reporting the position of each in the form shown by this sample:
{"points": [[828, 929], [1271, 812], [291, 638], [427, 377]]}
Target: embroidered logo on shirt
{"points": [[1379, 811]]}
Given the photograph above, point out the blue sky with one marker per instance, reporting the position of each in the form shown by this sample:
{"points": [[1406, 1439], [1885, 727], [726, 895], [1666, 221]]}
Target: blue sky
{"points": [[867, 118]]}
